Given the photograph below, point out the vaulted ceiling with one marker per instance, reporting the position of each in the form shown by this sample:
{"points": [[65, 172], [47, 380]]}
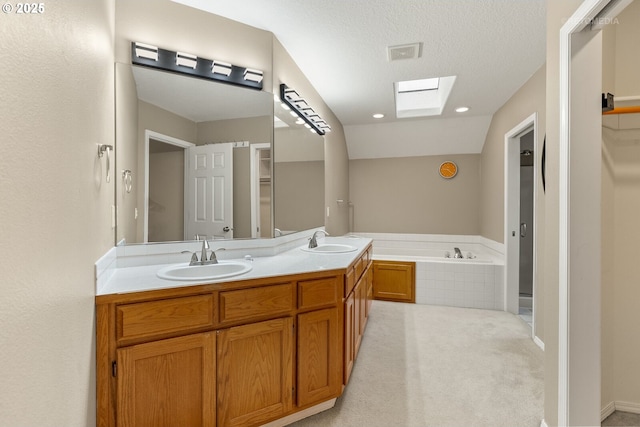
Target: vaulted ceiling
{"points": [[492, 46]]}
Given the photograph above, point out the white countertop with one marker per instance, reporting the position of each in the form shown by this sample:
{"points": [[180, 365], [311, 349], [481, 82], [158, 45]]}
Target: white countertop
{"points": [[293, 261]]}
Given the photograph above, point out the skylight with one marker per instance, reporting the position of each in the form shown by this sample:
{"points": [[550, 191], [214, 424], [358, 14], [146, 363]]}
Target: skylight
{"points": [[424, 97], [418, 85]]}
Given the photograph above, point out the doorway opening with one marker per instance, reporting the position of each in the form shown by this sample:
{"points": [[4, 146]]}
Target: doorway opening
{"points": [[525, 279], [260, 164], [520, 239]]}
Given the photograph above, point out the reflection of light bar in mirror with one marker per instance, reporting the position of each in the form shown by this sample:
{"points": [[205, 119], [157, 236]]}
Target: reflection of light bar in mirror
{"points": [[186, 60], [253, 75], [146, 51], [220, 67]]}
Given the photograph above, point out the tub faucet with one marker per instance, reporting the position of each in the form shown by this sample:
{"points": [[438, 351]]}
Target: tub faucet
{"points": [[313, 243], [458, 254]]}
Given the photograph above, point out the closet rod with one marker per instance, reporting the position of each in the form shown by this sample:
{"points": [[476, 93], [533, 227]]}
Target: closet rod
{"points": [[622, 110]]}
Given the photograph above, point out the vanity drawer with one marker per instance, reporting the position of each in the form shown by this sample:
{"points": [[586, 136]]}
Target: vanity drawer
{"points": [[154, 319], [318, 292], [258, 302]]}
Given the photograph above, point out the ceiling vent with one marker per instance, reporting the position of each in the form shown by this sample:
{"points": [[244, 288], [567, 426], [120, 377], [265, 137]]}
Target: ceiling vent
{"points": [[404, 51]]}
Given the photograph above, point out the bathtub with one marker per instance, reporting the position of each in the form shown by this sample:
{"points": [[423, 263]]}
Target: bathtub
{"points": [[476, 281]]}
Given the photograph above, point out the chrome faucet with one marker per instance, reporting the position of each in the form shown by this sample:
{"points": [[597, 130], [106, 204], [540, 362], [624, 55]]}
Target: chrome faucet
{"points": [[457, 254], [313, 242], [203, 252], [203, 255]]}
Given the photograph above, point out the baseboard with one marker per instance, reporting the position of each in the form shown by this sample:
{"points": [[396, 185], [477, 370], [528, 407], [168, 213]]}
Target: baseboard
{"points": [[538, 342], [302, 414], [634, 408], [607, 410], [618, 405], [543, 423]]}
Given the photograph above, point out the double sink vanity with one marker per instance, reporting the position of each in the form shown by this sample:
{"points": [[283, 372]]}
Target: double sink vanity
{"points": [[245, 342]]}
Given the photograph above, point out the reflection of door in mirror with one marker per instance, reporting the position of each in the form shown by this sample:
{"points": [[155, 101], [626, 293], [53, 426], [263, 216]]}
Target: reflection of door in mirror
{"points": [[208, 207]]}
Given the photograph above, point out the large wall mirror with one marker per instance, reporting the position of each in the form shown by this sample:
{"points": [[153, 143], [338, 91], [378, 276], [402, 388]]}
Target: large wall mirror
{"points": [[168, 124], [299, 174]]}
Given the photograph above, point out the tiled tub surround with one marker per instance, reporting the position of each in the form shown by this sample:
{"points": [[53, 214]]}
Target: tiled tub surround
{"points": [[474, 283]]}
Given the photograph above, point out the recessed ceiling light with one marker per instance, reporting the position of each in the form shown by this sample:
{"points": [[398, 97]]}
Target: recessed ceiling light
{"points": [[378, 116], [462, 109]]}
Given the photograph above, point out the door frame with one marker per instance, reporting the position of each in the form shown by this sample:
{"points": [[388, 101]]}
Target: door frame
{"points": [[512, 212], [568, 208], [149, 135]]}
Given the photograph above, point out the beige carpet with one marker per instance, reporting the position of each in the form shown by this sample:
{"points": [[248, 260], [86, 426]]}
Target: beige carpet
{"points": [[622, 419], [422, 365]]}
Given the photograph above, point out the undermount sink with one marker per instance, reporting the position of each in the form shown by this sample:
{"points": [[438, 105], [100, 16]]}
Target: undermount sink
{"points": [[221, 270], [330, 248]]}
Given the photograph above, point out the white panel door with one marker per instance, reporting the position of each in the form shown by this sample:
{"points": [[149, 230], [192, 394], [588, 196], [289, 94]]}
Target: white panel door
{"points": [[208, 208]]}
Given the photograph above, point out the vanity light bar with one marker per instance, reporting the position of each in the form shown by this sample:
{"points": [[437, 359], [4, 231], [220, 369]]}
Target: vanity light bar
{"points": [[146, 51], [220, 67], [185, 63], [291, 95], [186, 60], [301, 108], [253, 75], [301, 104]]}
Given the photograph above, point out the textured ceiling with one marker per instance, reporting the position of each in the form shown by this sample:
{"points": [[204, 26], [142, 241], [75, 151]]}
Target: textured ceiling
{"points": [[492, 46]]}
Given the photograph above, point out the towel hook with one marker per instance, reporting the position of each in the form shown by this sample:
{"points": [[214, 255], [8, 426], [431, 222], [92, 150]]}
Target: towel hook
{"points": [[101, 149]]}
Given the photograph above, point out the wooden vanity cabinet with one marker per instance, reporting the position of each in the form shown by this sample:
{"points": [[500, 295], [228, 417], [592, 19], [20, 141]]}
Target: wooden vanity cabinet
{"points": [[319, 350], [394, 281], [240, 353], [356, 309], [349, 335], [255, 372], [167, 383]]}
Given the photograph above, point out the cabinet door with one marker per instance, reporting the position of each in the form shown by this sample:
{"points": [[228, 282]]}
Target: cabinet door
{"points": [[349, 335], [359, 301], [369, 276], [167, 383], [394, 281], [255, 372], [319, 356]]}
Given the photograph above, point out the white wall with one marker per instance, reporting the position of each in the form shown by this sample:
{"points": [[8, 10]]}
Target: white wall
{"points": [[57, 105]]}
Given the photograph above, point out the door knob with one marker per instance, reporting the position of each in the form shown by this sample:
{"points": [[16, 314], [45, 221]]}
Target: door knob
{"points": [[523, 229]]}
